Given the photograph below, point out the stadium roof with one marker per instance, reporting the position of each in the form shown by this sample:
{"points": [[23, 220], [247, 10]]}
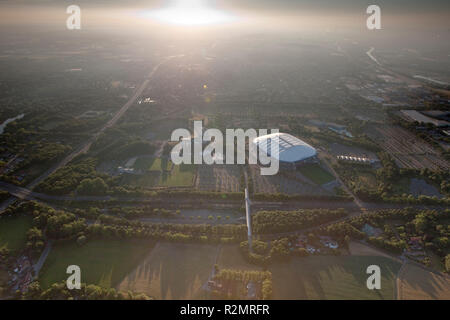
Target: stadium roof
{"points": [[291, 149]]}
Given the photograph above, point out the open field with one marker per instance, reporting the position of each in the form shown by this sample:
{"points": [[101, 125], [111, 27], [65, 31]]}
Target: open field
{"points": [[180, 176], [316, 173], [153, 164], [173, 271], [102, 262], [231, 258], [13, 232], [407, 150], [416, 283], [161, 174], [332, 277], [360, 249]]}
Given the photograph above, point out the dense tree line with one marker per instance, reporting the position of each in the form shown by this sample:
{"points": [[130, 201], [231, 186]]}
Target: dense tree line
{"points": [[244, 276], [65, 225], [299, 197], [430, 226], [68, 178], [284, 221]]}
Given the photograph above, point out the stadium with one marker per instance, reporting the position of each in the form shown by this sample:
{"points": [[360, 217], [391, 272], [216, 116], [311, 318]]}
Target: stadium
{"points": [[292, 152]]}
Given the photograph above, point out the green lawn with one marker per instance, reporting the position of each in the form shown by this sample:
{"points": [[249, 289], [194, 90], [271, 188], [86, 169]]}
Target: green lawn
{"points": [[332, 277], [13, 232], [102, 262], [316, 174]]}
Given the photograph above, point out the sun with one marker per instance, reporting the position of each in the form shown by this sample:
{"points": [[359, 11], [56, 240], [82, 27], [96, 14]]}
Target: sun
{"points": [[189, 13]]}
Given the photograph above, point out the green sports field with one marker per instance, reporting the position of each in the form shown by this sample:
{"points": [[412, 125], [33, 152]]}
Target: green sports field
{"points": [[316, 173], [13, 232], [102, 262], [331, 277]]}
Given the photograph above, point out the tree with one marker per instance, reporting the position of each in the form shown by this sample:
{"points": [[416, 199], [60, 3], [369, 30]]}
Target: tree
{"points": [[81, 240], [96, 186]]}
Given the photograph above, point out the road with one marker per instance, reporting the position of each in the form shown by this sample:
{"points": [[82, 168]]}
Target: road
{"points": [[27, 194], [87, 144], [40, 263]]}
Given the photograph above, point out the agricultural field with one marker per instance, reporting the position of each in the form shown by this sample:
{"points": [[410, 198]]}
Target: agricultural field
{"points": [[13, 232], [416, 283], [332, 277], [316, 174], [173, 271], [222, 178], [406, 149], [102, 262]]}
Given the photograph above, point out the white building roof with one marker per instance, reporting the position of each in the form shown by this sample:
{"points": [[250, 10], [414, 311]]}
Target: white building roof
{"points": [[291, 149]]}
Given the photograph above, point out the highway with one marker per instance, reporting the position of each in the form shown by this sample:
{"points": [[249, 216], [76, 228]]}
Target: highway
{"points": [[27, 194]]}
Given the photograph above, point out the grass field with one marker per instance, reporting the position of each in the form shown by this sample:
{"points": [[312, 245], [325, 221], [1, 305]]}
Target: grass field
{"points": [[173, 271], [316, 174], [332, 277], [161, 173], [13, 232], [180, 176], [102, 262], [153, 164], [419, 284]]}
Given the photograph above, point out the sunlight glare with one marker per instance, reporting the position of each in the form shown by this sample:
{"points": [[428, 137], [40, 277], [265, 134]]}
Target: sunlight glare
{"points": [[189, 12]]}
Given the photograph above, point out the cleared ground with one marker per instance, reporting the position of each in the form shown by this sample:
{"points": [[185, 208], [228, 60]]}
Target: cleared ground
{"points": [[102, 262], [416, 283], [13, 232], [331, 277], [173, 271]]}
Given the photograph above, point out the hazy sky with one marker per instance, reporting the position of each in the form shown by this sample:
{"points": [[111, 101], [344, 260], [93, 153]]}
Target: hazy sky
{"points": [[314, 14]]}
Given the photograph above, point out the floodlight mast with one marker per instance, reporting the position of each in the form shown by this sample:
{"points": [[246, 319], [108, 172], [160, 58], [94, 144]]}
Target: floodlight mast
{"points": [[249, 219]]}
